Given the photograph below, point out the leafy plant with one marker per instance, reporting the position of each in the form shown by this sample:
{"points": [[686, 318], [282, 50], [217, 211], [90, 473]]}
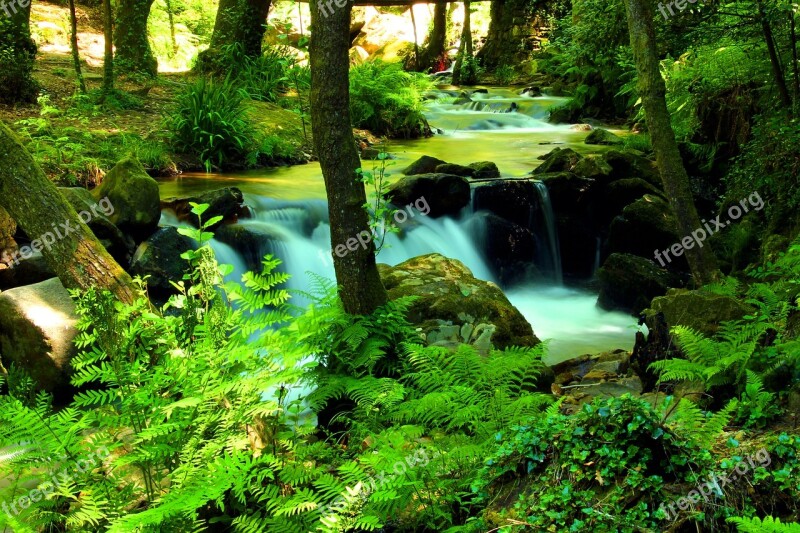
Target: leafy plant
{"points": [[377, 207]]}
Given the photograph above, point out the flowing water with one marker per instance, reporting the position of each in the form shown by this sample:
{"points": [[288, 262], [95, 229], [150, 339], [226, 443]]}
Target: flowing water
{"points": [[290, 211]]}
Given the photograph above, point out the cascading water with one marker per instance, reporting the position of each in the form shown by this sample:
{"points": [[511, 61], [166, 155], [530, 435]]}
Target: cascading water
{"points": [[290, 217]]}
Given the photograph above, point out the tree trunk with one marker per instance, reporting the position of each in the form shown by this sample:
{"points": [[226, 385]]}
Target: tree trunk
{"points": [[134, 54], [68, 245], [108, 54], [795, 66], [652, 92], [508, 38], [465, 50], [434, 51], [171, 16], [416, 40], [76, 56], [238, 22], [17, 54], [360, 287], [775, 61]]}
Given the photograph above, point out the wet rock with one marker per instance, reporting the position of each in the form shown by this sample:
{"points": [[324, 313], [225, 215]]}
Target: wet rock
{"points": [[532, 92], [448, 294], [511, 249], [134, 197], [613, 197], [558, 160], [424, 165], [446, 194], [7, 230], [575, 369], [603, 137], [456, 170], [644, 226], [160, 258], [628, 283], [514, 200], [485, 170], [251, 241], [227, 203], [581, 127], [700, 310], [593, 167], [626, 164], [37, 329]]}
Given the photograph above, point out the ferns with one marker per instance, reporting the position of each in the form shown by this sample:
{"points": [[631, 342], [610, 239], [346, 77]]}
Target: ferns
{"points": [[768, 525]]}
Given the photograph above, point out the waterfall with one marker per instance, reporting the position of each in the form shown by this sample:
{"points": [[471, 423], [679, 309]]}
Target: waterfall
{"points": [[550, 226]]}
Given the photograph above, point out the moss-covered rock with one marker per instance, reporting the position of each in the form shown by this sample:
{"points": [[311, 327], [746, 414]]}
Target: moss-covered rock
{"points": [[592, 166], [424, 165], [456, 170], [558, 160], [485, 170], [644, 226], [629, 282], [627, 164], [699, 309], [7, 229], [119, 245], [446, 194], [160, 258], [604, 137], [227, 203], [455, 306], [134, 198]]}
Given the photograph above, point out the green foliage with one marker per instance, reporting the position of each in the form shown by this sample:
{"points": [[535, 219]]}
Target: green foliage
{"points": [[386, 100], [504, 74], [757, 406], [209, 123], [604, 468], [380, 212], [17, 55], [768, 525]]}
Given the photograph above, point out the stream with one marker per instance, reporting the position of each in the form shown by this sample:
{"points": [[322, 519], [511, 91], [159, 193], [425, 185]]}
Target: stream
{"points": [[289, 209]]}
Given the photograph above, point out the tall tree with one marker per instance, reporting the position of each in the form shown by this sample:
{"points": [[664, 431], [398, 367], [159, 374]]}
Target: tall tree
{"points": [[360, 286], [437, 37], [74, 253], [134, 54], [73, 40], [652, 91], [17, 53], [239, 23], [461, 74], [108, 48]]}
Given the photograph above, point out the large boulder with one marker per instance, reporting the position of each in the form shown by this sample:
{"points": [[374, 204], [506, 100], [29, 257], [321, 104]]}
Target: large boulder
{"points": [[227, 203], [611, 198], [514, 200], [251, 241], [119, 245], [446, 194], [698, 309], [485, 170], [134, 198], [644, 226], [512, 250], [558, 160], [629, 282], [454, 306], [37, 329], [458, 170], [604, 137], [625, 164], [424, 165], [160, 258]]}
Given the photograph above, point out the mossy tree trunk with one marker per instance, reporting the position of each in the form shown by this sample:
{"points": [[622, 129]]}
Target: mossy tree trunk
{"points": [[34, 202], [134, 54], [652, 92], [774, 58], [461, 74], [504, 40], [238, 22], [360, 286], [17, 54]]}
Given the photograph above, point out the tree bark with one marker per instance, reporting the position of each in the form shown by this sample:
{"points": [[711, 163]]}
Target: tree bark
{"points": [[360, 287], [18, 54], [73, 39], [774, 59], [652, 92], [434, 50], [238, 22], [74, 253], [464, 50], [108, 49], [134, 54]]}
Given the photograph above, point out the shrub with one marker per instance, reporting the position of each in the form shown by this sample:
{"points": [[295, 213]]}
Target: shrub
{"points": [[17, 54], [209, 123], [387, 100]]}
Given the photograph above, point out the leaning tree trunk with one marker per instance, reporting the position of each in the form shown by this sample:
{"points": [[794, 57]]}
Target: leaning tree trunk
{"points": [[73, 252], [652, 92], [108, 53], [17, 54], [134, 54], [239, 23], [73, 39], [360, 287]]}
